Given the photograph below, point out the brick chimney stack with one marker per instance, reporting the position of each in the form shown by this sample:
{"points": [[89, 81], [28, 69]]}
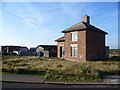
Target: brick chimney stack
{"points": [[86, 19]]}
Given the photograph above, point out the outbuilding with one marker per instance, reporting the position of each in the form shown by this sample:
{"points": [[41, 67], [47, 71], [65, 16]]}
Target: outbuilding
{"points": [[46, 50]]}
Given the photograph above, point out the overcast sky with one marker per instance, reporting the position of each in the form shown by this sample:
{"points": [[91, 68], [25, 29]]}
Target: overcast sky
{"points": [[31, 24]]}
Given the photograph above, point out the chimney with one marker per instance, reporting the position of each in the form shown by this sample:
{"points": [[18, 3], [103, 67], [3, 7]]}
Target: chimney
{"points": [[86, 19]]}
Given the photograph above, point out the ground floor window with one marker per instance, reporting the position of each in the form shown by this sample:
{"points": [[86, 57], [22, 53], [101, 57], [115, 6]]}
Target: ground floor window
{"points": [[74, 50]]}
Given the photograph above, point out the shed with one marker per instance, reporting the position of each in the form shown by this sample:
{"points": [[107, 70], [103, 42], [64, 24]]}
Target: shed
{"points": [[46, 50]]}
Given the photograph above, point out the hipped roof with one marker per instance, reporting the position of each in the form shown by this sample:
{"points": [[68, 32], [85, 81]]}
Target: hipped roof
{"points": [[60, 39], [83, 26]]}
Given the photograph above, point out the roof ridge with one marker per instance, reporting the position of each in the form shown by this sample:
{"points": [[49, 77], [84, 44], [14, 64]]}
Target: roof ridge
{"points": [[82, 26]]}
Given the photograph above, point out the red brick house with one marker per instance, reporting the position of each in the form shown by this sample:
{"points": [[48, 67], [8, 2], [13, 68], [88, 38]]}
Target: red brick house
{"points": [[82, 42]]}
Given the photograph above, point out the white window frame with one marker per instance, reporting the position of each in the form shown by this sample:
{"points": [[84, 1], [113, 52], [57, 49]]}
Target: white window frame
{"points": [[74, 36], [74, 50]]}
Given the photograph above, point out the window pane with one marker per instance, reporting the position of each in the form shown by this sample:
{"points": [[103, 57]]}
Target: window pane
{"points": [[74, 36], [74, 51]]}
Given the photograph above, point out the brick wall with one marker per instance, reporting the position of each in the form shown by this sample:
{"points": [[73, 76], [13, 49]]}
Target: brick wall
{"points": [[81, 57], [95, 45], [82, 46], [67, 47]]}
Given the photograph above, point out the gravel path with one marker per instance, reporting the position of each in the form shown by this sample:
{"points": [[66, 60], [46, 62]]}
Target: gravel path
{"points": [[22, 78]]}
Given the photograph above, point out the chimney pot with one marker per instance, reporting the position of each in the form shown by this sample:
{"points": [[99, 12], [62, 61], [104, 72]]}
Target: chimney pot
{"points": [[86, 19]]}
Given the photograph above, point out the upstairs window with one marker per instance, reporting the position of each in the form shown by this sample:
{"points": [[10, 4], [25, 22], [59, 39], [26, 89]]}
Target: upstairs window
{"points": [[74, 36]]}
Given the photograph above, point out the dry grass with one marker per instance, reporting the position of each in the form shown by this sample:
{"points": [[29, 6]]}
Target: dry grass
{"points": [[58, 69], [114, 52]]}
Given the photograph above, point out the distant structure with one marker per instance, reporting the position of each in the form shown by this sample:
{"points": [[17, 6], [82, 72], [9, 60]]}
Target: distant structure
{"points": [[82, 42], [9, 49], [40, 50], [18, 50], [22, 51], [46, 50]]}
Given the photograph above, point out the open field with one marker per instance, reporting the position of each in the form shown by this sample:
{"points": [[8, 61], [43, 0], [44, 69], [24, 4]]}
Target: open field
{"points": [[55, 69], [114, 52]]}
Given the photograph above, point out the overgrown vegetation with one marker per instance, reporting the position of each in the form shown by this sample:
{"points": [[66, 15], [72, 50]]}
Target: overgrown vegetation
{"points": [[114, 52], [56, 69]]}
